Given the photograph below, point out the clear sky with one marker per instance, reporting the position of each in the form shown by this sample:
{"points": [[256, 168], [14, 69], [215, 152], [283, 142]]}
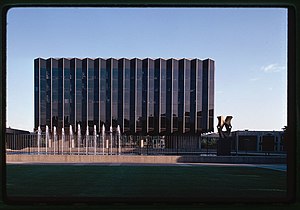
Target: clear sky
{"points": [[249, 47]]}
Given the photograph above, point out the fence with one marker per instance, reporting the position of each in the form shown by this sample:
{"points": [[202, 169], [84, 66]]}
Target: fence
{"points": [[111, 144], [114, 144]]}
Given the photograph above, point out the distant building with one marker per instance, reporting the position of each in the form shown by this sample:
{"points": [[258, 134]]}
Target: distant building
{"points": [[251, 141], [144, 97], [14, 143], [16, 131], [261, 141]]}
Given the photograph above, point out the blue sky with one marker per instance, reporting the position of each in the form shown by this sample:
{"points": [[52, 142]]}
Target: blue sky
{"points": [[249, 46]]}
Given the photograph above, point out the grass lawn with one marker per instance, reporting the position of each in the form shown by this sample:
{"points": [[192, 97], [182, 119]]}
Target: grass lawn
{"points": [[144, 181]]}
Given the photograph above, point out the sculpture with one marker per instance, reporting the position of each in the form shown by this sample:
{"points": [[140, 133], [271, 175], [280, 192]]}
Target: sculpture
{"points": [[227, 124], [224, 143]]}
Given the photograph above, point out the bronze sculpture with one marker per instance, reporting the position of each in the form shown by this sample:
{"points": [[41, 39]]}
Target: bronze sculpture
{"points": [[224, 143]]}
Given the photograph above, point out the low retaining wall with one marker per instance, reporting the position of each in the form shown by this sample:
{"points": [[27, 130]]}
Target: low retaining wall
{"points": [[143, 159], [91, 159]]}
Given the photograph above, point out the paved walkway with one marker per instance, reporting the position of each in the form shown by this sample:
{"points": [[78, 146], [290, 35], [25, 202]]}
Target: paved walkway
{"points": [[277, 167]]}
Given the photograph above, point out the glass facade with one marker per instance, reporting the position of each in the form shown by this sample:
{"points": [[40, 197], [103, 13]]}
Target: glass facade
{"points": [[138, 96], [193, 99], [169, 73], [132, 95], [72, 93], [124, 66], [163, 97], [37, 89], [66, 93], [114, 91], [157, 96], [55, 96], [48, 92], [150, 98], [108, 93], [208, 95], [199, 92], [180, 95], [142, 96], [172, 95], [211, 69], [175, 84], [78, 92], [84, 94], [92, 94], [102, 91], [187, 98], [95, 92], [145, 100]]}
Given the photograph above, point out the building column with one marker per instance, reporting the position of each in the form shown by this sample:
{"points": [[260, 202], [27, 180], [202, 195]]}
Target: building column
{"points": [[63, 93], [39, 89], [278, 142], [51, 100], [199, 140], [75, 112], [257, 143]]}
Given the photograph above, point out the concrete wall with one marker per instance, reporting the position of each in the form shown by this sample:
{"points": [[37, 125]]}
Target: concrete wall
{"points": [[143, 159]]}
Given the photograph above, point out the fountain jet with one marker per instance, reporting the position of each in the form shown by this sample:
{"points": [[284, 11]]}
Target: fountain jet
{"points": [[47, 138], [62, 140], [78, 138], [71, 138], [39, 139], [54, 138], [86, 139], [119, 139], [103, 138], [111, 132], [95, 139]]}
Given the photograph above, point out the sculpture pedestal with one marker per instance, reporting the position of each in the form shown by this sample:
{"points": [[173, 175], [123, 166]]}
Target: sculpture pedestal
{"points": [[224, 147]]}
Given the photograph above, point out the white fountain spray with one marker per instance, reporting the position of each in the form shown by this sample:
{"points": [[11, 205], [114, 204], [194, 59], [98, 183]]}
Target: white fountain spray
{"points": [[119, 139], [95, 139], [86, 139], [39, 139], [54, 138], [62, 140], [47, 139], [78, 138], [71, 139], [103, 138]]}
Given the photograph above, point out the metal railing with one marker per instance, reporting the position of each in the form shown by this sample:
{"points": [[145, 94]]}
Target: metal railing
{"points": [[114, 144], [110, 144]]}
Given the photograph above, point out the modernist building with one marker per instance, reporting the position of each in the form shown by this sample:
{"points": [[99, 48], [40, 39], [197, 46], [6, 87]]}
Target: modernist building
{"points": [[155, 97]]}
